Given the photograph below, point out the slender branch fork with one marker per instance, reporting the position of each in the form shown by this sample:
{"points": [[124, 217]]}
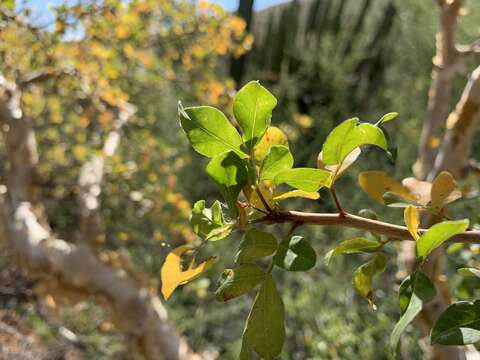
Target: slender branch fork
{"points": [[345, 219]]}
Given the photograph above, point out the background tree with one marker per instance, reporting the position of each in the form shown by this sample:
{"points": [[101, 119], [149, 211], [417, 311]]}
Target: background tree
{"points": [[64, 112]]}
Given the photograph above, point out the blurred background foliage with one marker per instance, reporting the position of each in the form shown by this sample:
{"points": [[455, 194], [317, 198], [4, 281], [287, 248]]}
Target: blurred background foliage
{"points": [[325, 61]]}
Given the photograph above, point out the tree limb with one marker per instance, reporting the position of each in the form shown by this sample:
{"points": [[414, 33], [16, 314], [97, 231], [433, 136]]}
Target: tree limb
{"points": [[138, 309], [461, 125], [90, 180], [439, 95], [393, 231]]}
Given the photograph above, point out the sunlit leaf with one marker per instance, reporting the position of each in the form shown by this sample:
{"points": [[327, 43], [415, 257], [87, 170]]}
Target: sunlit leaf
{"points": [[172, 274], [208, 223], [256, 245], [229, 172], [410, 216], [444, 190], [415, 291], [437, 235], [363, 276], [312, 195], [351, 246], [349, 135], [209, 131], [459, 324], [238, 281], [278, 159], [387, 117], [253, 108], [338, 170], [273, 136], [377, 183], [295, 254], [305, 179], [265, 329]]}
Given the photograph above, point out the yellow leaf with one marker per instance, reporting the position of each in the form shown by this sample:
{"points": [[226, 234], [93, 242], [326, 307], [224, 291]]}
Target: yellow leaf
{"points": [[377, 183], [296, 193], [172, 274], [444, 190], [419, 189], [273, 136], [339, 169], [266, 188], [410, 216]]}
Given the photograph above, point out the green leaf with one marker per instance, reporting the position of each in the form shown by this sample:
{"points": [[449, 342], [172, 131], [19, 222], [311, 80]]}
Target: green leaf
{"points": [[363, 276], [236, 282], [278, 159], [256, 245], [253, 108], [466, 271], [265, 329], [209, 131], [349, 135], [455, 248], [295, 254], [395, 200], [437, 235], [415, 291], [368, 213], [208, 223], [229, 172], [306, 179], [387, 117], [459, 324], [355, 245]]}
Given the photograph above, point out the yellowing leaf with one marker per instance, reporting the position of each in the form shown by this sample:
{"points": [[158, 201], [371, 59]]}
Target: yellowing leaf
{"points": [[172, 274], [266, 188], [377, 183], [296, 193], [420, 190], [410, 216], [338, 170], [273, 136], [444, 190]]}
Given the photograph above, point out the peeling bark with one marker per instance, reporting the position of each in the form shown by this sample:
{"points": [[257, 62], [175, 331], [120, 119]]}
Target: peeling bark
{"points": [[137, 309]]}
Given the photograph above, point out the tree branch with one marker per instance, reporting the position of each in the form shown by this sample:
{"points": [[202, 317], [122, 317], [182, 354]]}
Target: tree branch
{"points": [[461, 125], [90, 180], [397, 232], [445, 66], [138, 310]]}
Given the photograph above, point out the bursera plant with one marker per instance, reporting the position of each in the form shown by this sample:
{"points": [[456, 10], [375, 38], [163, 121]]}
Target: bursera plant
{"points": [[250, 166]]}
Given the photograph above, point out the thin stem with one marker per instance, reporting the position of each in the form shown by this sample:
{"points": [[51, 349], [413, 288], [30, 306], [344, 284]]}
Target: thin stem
{"points": [[337, 203], [262, 199], [393, 231], [295, 225]]}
